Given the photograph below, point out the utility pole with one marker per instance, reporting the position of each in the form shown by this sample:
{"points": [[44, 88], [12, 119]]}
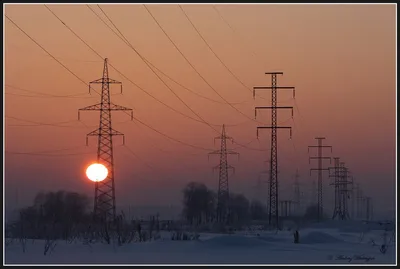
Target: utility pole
{"points": [[223, 202], [319, 169], [273, 198], [104, 200]]}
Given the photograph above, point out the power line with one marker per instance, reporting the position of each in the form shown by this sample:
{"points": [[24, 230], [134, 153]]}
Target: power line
{"points": [[69, 59], [55, 124], [173, 139], [234, 31], [47, 155], [45, 95], [173, 109], [230, 26], [166, 85], [148, 126], [41, 123], [155, 67], [194, 68], [45, 50], [227, 68], [46, 151], [128, 44], [140, 159]]}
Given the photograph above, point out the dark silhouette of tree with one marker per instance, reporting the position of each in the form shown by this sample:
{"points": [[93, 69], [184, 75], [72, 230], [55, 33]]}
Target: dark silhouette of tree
{"points": [[198, 203], [258, 210], [239, 209], [60, 210], [62, 206], [312, 213]]}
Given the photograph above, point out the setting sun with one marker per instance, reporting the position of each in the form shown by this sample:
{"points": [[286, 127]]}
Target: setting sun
{"points": [[96, 172]]}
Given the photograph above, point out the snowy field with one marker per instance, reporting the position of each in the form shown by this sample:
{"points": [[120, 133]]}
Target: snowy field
{"points": [[317, 246]]}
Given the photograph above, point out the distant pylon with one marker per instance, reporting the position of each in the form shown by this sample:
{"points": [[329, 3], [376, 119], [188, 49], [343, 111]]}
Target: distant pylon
{"points": [[223, 202], [319, 169], [104, 200], [337, 210], [342, 192]]}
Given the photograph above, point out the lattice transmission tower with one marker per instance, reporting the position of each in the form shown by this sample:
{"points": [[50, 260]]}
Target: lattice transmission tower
{"points": [[223, 202], [104, 198], [320, 209], [342, 191], [273, 215]]}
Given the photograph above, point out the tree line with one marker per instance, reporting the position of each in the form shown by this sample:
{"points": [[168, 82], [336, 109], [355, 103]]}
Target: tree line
{"points": [[67, 214]]}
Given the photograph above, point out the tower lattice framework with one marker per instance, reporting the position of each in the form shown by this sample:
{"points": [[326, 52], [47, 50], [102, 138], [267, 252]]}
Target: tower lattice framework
{"points": [[273, 215], [342, 191], [104, 198], [223, 198], [320, 208]]}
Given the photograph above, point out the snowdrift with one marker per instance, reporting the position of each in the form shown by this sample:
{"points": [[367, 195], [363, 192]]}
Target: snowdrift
{"points": [[319, 238], [234, 241]]}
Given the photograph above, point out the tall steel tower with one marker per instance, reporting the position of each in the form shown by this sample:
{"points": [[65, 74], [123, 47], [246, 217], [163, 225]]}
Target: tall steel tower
{"points": [[223, 204], [337, 211], [104, 198], [273, 198], [342, 192], [319, 169]]}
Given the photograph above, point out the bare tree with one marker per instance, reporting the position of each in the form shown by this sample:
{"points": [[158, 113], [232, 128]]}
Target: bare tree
{"points": [[198, 203]]}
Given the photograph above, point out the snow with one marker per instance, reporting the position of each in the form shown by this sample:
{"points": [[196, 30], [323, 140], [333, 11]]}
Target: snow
{"points": [[320, 238], [322, 245]]}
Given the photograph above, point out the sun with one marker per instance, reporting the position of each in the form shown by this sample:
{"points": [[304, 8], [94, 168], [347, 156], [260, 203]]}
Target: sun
{"points": [[96, 172]]}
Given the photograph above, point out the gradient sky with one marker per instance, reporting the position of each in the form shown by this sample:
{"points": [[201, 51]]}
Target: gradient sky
{"points": [[340, 58]]}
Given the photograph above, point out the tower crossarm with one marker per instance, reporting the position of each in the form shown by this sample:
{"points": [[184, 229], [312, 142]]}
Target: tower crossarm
{"points": [[276, 127], [98, 107], [270, 107]]}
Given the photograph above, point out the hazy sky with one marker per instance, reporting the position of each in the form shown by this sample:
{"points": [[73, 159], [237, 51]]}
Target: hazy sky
{"points": [[340, 58]]}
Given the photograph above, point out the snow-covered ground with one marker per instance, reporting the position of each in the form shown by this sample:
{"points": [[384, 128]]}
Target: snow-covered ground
{"points": [[317, 246]]}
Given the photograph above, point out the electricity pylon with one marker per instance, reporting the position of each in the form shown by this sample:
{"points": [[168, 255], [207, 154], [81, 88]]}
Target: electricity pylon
{"points": [[223, 202], [104, 198], [319, 169], [337, 210], [273, 198], [342, 192]]}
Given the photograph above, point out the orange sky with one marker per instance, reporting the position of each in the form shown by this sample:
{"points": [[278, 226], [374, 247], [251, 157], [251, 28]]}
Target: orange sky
{"points": [[340, 58]]}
